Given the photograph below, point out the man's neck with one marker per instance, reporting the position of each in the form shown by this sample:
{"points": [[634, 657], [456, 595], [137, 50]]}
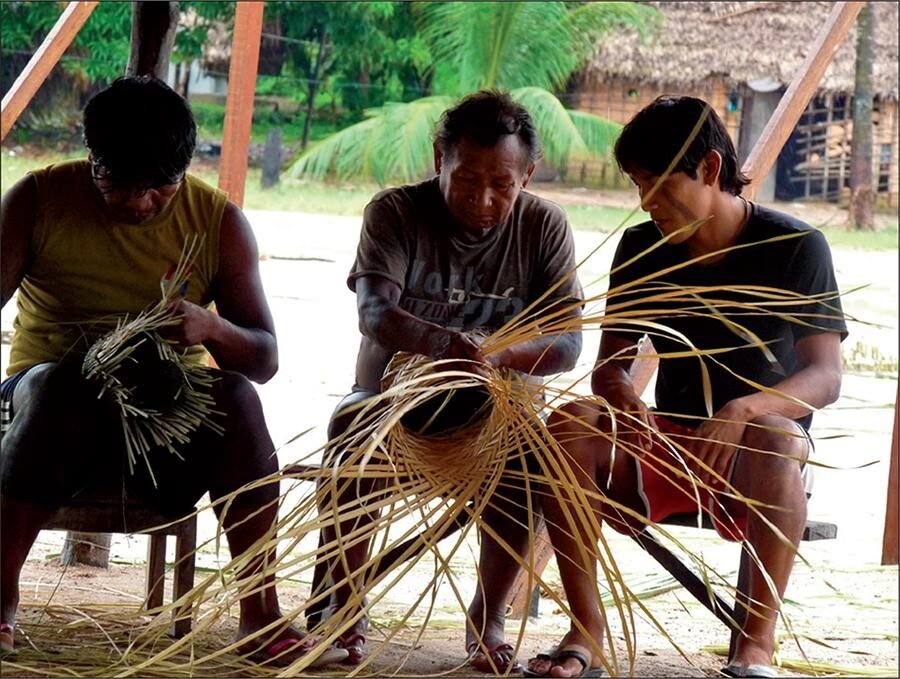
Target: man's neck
{"points": [[725, 226]]}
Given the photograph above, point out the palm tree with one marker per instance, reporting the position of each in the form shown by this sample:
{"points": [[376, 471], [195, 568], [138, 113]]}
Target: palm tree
{"points": [[526, 48]]}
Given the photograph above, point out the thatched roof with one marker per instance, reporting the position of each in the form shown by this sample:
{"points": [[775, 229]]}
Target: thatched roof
{"points": [[742, 41]]}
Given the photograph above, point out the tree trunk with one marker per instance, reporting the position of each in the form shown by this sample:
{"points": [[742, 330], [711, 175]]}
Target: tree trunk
{"points": [[86, 549], [271, 164], [862, 196], [152, 37], [314, 75], [153, 27]]}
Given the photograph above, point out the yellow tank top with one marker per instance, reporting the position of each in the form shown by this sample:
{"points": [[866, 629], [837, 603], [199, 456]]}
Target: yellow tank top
{"points": [[87, 270]]}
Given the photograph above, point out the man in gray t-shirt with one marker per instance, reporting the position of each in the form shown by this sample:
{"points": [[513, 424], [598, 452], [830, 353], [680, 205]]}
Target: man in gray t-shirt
{"points": [[464, 251]]}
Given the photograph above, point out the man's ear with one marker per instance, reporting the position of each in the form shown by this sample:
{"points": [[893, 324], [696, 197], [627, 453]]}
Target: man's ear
{"points": [[438, 158], [528, 174], [712, 166]]}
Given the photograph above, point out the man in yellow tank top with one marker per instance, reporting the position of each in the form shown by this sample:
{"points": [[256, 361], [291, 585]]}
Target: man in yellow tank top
{"points": [[85, 243]]}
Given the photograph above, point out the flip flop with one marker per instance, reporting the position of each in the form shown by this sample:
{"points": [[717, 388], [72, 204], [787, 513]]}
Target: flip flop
{"points": [[756, 670], [580, 653], [279, 653], [481, 661], [354, 645], [7, 639]]}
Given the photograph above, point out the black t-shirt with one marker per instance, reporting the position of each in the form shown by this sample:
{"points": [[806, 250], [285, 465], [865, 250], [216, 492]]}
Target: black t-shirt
{"points": [[764, 285]]}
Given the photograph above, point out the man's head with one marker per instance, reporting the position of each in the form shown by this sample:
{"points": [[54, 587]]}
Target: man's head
{"points": [[655, 136], [485, 150], [141, 137], [687, 134]]}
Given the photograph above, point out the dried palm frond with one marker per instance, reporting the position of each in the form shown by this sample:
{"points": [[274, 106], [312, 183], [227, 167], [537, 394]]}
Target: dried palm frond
{"points": [[417, 474], [162, 397]]}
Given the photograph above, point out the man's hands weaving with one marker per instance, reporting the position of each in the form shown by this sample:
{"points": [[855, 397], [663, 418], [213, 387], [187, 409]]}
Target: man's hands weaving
{"points": [[717, 441]]}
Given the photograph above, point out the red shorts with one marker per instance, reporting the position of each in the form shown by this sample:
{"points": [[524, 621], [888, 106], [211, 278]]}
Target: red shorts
{"points": [[666, 490]]}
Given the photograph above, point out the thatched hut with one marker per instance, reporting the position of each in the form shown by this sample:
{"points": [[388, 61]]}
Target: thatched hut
{"points": [[740, 56]]}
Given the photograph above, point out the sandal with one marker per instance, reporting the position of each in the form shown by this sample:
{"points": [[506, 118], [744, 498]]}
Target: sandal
{"points": [[7, 639], [580, 653], [354, 644], [283, 652], [492, 662]]}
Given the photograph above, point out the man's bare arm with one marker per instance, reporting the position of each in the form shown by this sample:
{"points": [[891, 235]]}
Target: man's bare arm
{"points": [[17, 217], [546, 354], [817, 382], [382, 319], [241, 337]]}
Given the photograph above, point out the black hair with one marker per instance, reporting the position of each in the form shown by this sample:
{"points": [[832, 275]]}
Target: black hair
{"points": [[486, 117], [654, 137], [140, 133]]}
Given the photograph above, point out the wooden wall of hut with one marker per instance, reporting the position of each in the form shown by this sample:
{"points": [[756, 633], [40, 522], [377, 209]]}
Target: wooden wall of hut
{"points": [[618, 100], [815, 164]]}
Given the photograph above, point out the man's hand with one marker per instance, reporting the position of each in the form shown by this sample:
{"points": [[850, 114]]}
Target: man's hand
{"points": [[718, 439], [635, 423], [195, 324], [446, 344]]}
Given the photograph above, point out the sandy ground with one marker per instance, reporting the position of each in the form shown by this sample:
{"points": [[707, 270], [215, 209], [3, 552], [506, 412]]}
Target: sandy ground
{"points": [[841, 601]]}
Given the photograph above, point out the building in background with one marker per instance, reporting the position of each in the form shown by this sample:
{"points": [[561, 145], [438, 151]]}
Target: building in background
{"points": [[741, 56]]}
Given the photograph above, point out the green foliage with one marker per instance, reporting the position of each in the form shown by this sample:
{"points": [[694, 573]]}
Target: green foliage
{"points": [[99, 51], [360, 150], [526, 48], [517, 44], [356, 50]]}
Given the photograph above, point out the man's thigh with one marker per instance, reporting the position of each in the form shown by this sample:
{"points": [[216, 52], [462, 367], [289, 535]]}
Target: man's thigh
{"points": [[59, 437]]}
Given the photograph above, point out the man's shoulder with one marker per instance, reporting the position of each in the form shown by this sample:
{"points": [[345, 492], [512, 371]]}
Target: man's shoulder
{"points": [[199, 184], [534, 207], [640, 235], [776, 223], [63, 170], [407, 195]]}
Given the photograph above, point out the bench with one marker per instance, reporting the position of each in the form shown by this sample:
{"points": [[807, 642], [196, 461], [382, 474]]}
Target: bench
{"points": [[105, 511], [524, 600]]}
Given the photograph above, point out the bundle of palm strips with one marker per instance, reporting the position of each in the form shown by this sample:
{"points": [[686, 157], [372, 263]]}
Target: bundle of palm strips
{"points": [[162, 397]]}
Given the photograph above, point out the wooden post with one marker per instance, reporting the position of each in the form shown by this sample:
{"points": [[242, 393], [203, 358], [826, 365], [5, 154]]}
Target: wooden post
{"points": [[798, 94], [153, 27], [42, 62], [239, 104], [890, 547]]}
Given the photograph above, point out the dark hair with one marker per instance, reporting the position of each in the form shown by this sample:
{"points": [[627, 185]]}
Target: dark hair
{"points": [[653, 138], [486, 117], [140, 133]]}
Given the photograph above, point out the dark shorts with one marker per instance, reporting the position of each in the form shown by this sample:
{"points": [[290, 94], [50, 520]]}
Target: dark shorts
{"points": [[55, 459], [665, 493]]}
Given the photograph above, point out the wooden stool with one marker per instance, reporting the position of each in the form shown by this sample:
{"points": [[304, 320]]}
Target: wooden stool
{"points": [[105, 511]]}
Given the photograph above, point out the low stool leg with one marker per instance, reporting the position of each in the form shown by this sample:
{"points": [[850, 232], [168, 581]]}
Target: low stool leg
{"points": [[185, 550], [156, 570]]}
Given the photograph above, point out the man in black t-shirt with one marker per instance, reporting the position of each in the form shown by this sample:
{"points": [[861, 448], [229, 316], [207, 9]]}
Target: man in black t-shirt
{"points": [[742, 306], [461, 253]]}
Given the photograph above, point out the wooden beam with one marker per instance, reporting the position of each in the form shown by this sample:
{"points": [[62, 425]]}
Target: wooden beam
{"points": [[42, 62], [239, 104], [799, 92], [890, 546], [153, 26]]}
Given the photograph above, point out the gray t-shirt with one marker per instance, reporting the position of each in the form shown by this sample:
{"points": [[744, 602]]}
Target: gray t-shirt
{"points": [[409, 238]]}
